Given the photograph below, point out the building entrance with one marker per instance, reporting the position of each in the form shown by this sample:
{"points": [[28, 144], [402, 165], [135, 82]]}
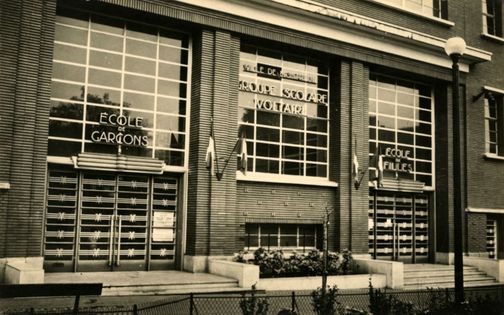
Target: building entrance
{"points": [[99, 221], [399, 226]]}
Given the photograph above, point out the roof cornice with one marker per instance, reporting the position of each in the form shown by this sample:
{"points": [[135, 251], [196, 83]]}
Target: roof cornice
{"points": [[332, 23]]}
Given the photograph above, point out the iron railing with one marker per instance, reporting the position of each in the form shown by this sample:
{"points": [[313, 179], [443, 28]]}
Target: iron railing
{"points": [[301, 302]]}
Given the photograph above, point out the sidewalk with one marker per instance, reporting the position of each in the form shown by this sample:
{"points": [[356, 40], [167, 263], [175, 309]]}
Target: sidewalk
{"points": [[126, 288]]}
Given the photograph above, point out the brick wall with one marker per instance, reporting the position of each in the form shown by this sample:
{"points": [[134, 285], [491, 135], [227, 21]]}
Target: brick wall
{"points": [[211, 218], [476, 232], [26, 34], [351, 219]]}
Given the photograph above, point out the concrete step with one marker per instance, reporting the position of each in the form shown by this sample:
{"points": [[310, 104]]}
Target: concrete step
{"points": [[447, 280], [439, 274], [161, 289], [442, 276], [433, 268], [450, 285]]}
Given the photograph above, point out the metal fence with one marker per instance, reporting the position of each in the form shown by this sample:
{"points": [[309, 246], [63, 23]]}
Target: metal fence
{"points": [[301, 303]]}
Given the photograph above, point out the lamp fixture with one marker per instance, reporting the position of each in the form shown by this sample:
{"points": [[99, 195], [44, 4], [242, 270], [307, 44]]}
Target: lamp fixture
{"points": [[455, 46]]}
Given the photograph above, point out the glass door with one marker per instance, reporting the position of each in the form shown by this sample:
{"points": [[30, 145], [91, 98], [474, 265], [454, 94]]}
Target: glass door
{"points": [[398, 226], [99, 221], [113, 222]]}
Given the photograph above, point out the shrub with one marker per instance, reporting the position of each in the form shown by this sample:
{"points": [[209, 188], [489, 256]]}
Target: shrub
{"points": [[273, 264], [325, 303], [253, 305], [442, 302], [240, 257], [382, 304]]}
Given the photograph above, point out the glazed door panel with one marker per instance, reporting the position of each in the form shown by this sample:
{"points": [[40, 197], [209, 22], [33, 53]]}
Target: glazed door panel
{"points": [[398, 227], [104, 221], [113, 222]]}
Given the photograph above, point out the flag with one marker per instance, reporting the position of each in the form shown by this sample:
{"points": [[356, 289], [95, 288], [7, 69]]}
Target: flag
{"points": [[243, 154], [355, 168], [210, 156], [379, 168]]}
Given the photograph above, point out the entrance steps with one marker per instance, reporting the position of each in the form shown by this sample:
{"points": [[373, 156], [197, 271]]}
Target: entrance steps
{"points": [[421, 276], [122, 283]]}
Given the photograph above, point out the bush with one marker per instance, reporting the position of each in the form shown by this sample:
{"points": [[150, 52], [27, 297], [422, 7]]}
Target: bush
{"points": [[273, 264], [325, 303], [442, 302], [254, 305], [382, 304]]}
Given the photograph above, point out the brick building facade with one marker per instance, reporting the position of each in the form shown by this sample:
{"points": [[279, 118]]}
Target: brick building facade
{"points": [[107, 108]]}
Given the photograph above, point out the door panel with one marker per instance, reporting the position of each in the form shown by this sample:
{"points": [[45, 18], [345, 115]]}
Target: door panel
{"points": [[398, 226], [132, 219], [60, 221], [97, 221]]}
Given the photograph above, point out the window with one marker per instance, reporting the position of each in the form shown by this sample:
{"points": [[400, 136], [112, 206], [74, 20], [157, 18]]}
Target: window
{"points": [[434, 8], [492, 17], [401, 129], [494, 124], [273, 236], [284, 113], [491, 238], [118, 87]]}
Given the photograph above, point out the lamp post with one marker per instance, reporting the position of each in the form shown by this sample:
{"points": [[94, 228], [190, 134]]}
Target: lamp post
{"points": [[455, 48]]}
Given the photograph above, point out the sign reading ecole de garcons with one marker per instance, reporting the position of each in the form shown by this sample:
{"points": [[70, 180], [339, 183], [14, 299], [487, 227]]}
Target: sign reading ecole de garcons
{"points": [[123, 135]]}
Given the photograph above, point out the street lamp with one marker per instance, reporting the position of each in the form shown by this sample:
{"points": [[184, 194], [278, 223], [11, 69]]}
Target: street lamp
{"points": [[455, 48]]}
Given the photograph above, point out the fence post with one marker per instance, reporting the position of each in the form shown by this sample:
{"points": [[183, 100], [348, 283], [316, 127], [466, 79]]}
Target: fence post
{"points": [[76, 305], [191, 303], [293, 302], [135, 309]]}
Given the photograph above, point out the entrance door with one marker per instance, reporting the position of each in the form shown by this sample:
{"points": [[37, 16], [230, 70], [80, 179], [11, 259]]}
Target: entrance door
{"points": [[113, 222], [98, 221], [398, 226]]}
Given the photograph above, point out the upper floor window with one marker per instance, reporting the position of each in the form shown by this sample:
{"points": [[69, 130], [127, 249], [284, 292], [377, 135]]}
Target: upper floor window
{"points": [[284, 113], [118, 87], [494, 128], [492, 17], [401, 129], [434, 8]]}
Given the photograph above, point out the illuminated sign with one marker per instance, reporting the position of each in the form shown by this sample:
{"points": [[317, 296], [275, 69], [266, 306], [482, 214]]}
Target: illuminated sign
{"points": [[121, 136]]}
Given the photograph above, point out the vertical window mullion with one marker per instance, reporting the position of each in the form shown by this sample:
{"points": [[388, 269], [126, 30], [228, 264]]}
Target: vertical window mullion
{"points": [[84, 109]]}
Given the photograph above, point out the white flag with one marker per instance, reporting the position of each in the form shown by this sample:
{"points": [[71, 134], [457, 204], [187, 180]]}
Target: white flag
{"points": [[210, 156], [380, 171], [243, 155], [355, 170]]}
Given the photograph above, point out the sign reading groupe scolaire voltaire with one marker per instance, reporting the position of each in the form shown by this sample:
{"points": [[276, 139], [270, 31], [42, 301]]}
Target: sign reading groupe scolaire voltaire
{"points": [[121, 136], [285, 93]]}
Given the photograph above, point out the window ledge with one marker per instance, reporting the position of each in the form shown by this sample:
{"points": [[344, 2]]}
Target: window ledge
{"points": [[492, 156], [285, 179], [428, 17], [493, 37]]}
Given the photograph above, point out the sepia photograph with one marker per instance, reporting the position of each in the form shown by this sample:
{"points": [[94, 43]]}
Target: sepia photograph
{"points": [[252, 157]]}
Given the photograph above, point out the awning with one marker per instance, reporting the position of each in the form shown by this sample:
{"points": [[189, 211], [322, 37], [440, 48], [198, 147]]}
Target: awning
{"points": [[118, 163]]}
